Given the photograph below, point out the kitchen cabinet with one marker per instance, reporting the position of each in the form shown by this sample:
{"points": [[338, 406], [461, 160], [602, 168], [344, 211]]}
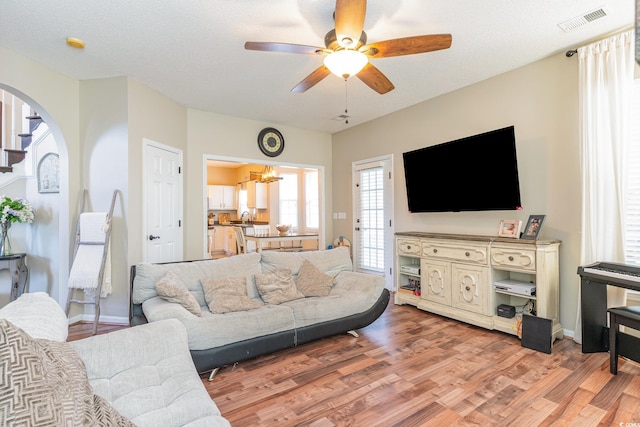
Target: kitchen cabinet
{"points": [[221, 197], [257, 195], [230, 241], [217, 238]]}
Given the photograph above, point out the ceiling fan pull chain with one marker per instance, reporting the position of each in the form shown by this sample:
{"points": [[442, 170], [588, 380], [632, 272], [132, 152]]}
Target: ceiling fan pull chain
{"points": [[346, 101]]}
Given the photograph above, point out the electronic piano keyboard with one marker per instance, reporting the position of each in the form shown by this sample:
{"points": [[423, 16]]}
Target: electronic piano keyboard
{"points": [[594, 280], [622, 275]]}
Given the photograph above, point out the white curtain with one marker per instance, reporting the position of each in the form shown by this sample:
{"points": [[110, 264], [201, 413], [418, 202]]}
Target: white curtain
{"points": [[605, 89]]}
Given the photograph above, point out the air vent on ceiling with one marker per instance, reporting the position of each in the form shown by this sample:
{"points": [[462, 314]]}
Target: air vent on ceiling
{"points": [[581, 20]]}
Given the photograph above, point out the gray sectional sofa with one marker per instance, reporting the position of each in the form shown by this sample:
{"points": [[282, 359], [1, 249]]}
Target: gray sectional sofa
{"points": [[354, 301], [144, 374]]}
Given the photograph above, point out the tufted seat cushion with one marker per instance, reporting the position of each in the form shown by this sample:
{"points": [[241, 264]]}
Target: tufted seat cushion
{"points": [[150, 380]]}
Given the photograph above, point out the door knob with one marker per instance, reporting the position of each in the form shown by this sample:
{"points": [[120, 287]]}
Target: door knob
{"points": [[152, 237]]}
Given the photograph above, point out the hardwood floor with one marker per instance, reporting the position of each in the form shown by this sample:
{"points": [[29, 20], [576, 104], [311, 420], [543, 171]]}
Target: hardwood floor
{"points": [[412, 368]]}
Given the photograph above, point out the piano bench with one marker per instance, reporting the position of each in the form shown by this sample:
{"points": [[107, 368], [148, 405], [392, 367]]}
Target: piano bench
{"points": [[626, 316]]}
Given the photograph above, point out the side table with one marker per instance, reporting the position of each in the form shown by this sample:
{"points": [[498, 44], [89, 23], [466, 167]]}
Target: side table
{"points": [[17, 266]]}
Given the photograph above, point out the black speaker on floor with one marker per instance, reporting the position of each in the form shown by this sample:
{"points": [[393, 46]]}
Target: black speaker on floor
{"points": [[536, 333]]}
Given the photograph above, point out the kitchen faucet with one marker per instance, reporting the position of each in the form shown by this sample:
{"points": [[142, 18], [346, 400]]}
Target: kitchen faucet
{"points": [[248, 217]]}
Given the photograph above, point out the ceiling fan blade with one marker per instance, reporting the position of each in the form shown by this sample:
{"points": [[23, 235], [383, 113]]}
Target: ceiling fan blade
{"points": [[311, 80], [282, 47], [407, 46], [374, 78], [349, 18]]}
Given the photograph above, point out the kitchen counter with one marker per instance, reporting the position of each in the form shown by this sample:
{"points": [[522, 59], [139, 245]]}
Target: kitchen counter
{"points": [[238, 224]]}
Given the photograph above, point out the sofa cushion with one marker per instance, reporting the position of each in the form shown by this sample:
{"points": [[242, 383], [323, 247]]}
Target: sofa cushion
{"points": [[331, 261], [311, 282], [171, 288], [353, 293], [190, 273], [38, 315], [147, 374], [277, 287], [227, 294], [215, 330], [45, 383]]}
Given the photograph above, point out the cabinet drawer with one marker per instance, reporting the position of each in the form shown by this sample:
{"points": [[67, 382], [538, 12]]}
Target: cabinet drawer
{"points": [[513, 258], [462, 252], [409, 247]]}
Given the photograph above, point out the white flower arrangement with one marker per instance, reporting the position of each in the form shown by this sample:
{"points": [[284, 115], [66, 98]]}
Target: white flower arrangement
{"points": [[15, 210]]}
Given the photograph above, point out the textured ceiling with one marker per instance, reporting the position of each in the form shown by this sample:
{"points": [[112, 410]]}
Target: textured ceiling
{"points": [[193, 51]]}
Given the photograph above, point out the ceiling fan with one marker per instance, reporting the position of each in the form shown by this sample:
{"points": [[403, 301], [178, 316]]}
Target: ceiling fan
{"points": [[346, 52]]}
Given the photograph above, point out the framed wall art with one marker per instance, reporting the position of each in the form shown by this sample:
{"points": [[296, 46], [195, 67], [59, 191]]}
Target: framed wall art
{"points": [[510, 228], [49, 174]]}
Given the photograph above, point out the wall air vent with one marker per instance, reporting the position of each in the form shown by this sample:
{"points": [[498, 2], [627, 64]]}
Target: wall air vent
{"points": [[581, 20]]}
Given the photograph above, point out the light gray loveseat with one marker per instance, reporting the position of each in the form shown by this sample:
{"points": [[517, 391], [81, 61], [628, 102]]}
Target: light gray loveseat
{"points": [[146, 373], [355, 300]]}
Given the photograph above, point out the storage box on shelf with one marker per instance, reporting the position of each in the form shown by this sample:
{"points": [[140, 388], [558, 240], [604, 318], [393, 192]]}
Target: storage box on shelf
{"points": [[457, 274]]}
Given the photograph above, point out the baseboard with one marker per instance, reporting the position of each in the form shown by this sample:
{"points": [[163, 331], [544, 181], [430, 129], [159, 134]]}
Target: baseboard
{"points": [[116, 320]]}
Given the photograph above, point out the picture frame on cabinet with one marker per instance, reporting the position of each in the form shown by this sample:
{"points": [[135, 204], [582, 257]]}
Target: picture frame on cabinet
{"points": [[533, 227], [510, 228]]}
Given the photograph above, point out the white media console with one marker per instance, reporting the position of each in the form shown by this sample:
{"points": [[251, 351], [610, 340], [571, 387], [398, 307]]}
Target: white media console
{"points": [[453, 275]]}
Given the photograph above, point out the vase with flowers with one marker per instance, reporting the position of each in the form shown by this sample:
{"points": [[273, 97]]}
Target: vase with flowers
{"points": [[12, 210]]}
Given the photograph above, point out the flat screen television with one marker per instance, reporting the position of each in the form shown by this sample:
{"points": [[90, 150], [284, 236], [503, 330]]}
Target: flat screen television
{"points": [[477, 173]]}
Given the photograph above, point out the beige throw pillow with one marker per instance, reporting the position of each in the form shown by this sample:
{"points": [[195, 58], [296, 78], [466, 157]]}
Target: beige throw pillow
{"points": [[311, 282], [172, 289], [227, 294], [277, 287]]}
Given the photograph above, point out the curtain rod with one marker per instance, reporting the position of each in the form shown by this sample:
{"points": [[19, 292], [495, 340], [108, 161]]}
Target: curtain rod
{"points": [[572, 52]]}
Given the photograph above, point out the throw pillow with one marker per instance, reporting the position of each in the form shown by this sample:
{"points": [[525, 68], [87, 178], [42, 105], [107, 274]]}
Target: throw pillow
{"points": [[277, 287], [44, 383], [172, 289], [227, 294], [311, 282]]}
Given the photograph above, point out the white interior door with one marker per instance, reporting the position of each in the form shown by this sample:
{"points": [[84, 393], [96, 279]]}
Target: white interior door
{"points": [[163, 203], [373, 233]]}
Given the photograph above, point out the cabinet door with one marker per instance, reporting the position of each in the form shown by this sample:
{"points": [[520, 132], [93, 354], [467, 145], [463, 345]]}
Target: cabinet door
{"points": [[470, 290], [218, 238], [215, 196], [436, 281], [230, 241], [229, 197]]}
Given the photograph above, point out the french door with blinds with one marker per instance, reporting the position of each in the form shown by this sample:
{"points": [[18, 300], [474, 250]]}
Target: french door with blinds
{"points": [[373, 235]]}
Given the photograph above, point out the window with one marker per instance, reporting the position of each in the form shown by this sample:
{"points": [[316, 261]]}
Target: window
{"points": [[288, 212], [299, 200], [632, 244], [371, 204], [311, 198]]}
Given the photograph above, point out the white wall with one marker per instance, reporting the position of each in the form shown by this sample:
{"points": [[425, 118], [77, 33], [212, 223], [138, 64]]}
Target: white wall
{"points": [[56, 98], [104, 133], [541, 100], [232, 137]]}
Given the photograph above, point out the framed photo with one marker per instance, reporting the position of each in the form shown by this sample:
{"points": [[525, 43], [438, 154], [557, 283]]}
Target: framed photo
{"points": [[510, 228], [532, 229]]}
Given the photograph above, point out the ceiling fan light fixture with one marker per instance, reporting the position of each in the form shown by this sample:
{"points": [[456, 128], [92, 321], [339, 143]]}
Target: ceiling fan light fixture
{"points": [[346, 62]]}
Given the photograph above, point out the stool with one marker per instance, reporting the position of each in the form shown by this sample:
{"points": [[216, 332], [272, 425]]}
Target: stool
{"points": [[625, 316]]}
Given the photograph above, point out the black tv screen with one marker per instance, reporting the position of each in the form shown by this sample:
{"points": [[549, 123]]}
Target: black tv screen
{"points": [[477, 173]]}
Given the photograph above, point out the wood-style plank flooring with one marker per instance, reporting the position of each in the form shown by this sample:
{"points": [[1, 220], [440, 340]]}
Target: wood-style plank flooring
{"points": [[412, 368]]}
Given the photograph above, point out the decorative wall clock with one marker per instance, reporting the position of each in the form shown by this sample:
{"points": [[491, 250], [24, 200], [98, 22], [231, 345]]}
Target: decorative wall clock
{"points": [[271, 142]]}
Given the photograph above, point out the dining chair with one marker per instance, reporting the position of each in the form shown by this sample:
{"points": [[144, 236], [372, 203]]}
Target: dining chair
{"points": [[241, 243]]}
